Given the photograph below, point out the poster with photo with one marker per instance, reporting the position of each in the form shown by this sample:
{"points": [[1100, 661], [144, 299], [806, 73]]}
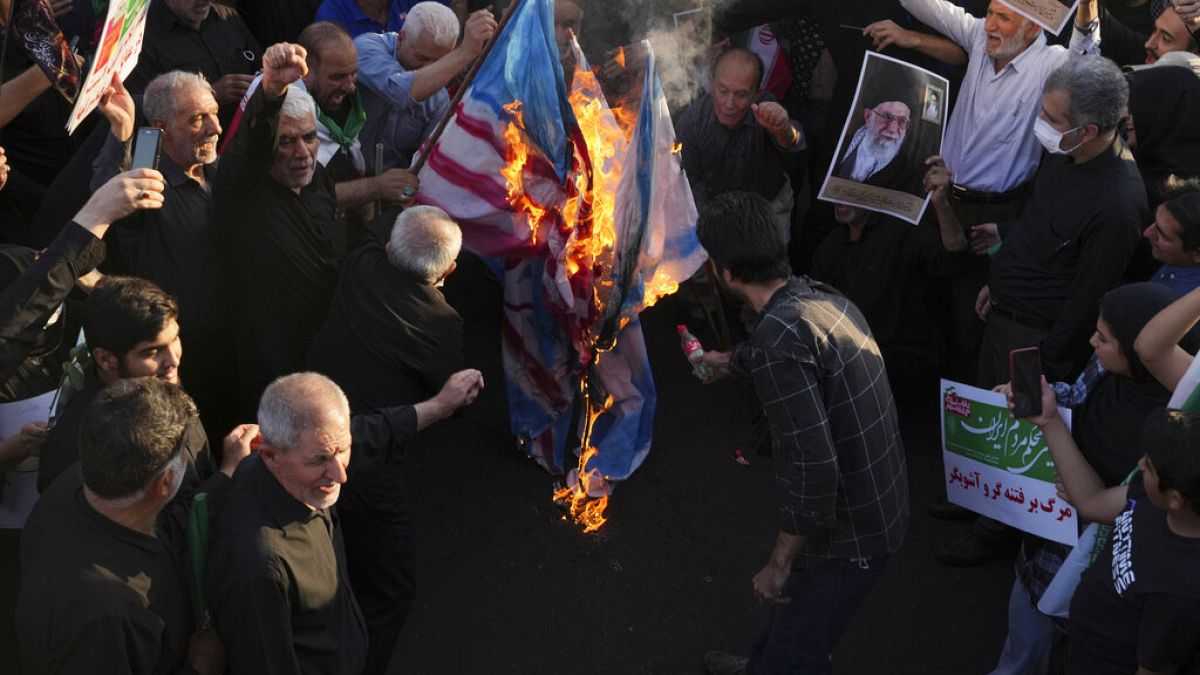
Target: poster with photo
{"points": [[897, 120], [1052, 15]]}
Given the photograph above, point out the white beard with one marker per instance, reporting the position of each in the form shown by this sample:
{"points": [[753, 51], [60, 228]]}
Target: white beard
{"points": [[874, 153]]}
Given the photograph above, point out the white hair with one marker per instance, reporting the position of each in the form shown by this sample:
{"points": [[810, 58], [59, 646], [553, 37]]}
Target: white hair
{"points": [[298, 105], [424, 242], [292, 404], [159, 100], [434, 18]]}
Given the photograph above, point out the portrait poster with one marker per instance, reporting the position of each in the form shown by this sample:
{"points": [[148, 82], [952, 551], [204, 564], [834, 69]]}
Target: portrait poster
{"points": [[999, 466], [120, 43], [1052, 15], [897, 120]]}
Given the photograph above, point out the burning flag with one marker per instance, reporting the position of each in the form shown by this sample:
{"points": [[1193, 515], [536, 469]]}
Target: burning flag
{"points": [[593, 222]]}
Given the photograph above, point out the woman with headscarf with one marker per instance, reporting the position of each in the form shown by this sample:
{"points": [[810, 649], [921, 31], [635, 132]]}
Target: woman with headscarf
{"points": [[1164, 104], [1108, 404]]}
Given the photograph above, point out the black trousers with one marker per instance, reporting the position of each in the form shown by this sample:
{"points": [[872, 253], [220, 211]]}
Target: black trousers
{"points": [[380, 555]]}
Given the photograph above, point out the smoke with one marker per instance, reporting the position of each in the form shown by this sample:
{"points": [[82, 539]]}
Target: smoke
{"points": [[678, 30], [679, 55]]}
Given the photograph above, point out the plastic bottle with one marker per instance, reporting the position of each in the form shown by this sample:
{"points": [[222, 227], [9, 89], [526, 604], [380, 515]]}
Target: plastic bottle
{"points": [[694, 352]]}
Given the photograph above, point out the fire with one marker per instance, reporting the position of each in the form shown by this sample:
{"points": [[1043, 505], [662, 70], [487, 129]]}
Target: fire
{"points": [[620, 57], [661, 285], [584, 510], [676, 148], [512, 172]]}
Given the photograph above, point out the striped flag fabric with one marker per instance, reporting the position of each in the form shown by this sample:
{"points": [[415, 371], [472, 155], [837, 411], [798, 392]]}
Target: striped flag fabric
{"points": [[515, 169]]}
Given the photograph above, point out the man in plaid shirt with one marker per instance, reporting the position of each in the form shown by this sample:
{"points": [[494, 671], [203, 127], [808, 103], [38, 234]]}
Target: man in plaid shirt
{"points": [[839, 462]]}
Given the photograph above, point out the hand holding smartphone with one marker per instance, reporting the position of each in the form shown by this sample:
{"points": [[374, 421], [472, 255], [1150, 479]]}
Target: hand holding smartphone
{"points": [[1025, 369]]}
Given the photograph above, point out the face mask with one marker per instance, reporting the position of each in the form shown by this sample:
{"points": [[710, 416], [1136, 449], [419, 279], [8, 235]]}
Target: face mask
{"points": [[1051, 138]]}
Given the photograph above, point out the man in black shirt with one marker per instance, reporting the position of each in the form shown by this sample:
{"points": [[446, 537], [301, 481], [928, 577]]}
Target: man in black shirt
{"points": [[198, 36], [176, 246], [733, 142], [1077, 234], [390, 339], [274, 206], [331, 81], [839, 460], [884, 267], [103, 588], [277, 580]]}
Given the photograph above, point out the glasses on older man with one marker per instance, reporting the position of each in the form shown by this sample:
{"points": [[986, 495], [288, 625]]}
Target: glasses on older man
{"points": [[900, 122]]}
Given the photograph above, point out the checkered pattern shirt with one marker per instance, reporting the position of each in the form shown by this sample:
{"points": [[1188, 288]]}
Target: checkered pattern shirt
{"points": [[839, 460]]}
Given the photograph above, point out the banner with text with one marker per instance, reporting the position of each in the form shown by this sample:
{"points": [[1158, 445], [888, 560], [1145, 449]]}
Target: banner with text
{"points": [[120, 44], [999, 466]]}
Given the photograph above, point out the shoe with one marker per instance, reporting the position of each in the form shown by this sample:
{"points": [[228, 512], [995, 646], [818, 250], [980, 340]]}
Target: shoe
{"points": [[964, 549], [724, 663], [939, 507]]}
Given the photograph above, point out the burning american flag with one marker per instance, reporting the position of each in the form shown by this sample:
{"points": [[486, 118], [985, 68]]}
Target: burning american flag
{"points": [[589, 221]]}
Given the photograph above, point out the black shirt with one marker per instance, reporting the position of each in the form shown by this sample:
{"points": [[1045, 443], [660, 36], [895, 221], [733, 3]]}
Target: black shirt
{"points": [[277, 583], [884, 273], [390, 338], [276, 250], [175, 246], [274, 21], [1124, 32], [221, 46], [1072, 243], [60, 457], [97, 597], [718, 160], [1139, 603]]}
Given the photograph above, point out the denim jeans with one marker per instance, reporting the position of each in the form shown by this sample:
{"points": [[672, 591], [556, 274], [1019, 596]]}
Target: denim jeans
{"points": [[801, 635]]}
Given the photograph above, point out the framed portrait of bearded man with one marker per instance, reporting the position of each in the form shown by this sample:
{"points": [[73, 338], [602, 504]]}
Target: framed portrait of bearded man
{"points": [[897, 120]]}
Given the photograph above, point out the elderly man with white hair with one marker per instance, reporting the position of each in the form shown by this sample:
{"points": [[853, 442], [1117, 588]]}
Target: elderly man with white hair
{"points": [[391, 339], [404, 76], [275, 209]]}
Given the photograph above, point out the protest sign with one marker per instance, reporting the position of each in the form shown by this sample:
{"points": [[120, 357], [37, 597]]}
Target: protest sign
{"points": [[120, 44], [999, 466], [1052, 15], [896, 122]]}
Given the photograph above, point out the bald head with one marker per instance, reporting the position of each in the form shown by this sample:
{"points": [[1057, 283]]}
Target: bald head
{"points": [[324, 36]]}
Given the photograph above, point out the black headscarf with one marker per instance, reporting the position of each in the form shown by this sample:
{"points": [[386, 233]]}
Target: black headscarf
{"points": [[1165, 103], [1108, 425]]}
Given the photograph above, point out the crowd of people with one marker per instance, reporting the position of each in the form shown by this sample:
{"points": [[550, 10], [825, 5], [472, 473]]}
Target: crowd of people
{"points": [[239, 505]]}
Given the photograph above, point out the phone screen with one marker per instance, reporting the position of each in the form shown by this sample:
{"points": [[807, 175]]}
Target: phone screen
{"points": [[145, 148], [1026, 371]]}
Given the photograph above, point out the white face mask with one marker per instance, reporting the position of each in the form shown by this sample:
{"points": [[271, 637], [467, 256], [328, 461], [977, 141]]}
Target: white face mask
{"points": [[1051, 138]]}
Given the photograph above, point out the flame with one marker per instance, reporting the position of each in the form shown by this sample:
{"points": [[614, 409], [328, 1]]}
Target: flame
{"points": [[620, 57], [512, 172], [676, 148], [583, 509], [661, 285]]}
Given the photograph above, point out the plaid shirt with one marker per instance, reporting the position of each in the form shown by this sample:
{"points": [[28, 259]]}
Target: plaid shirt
{"points": [[839, 460]]}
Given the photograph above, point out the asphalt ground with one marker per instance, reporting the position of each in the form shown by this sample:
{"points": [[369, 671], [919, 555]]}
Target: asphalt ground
{"points": [[506, 585]]}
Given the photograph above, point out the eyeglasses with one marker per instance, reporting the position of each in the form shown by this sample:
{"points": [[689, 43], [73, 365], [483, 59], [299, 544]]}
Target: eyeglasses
{"points": [[900, 122]]}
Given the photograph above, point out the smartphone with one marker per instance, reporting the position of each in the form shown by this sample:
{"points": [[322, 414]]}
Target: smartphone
{"points": [[1025, 369], [145, 148]]}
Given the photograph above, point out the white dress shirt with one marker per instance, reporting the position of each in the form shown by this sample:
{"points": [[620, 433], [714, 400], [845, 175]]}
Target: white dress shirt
{"points": [[989, 144]]}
